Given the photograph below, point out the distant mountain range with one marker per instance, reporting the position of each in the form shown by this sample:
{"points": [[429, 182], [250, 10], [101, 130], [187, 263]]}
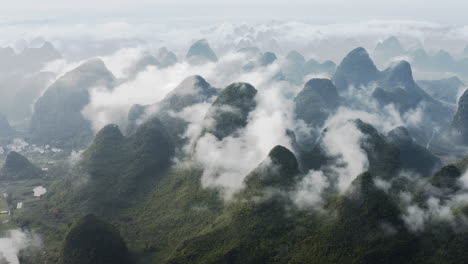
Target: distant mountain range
{"points": [[439, 61]]}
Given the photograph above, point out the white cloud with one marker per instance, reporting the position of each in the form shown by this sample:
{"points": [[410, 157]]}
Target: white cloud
{"points": [[343, 140], [153, 84], [415, 218], [228, 161], [119, 62], [309, 190], [14, 241]]}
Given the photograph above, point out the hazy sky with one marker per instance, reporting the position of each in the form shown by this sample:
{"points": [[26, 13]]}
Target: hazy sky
{"points": [[326, 11]]}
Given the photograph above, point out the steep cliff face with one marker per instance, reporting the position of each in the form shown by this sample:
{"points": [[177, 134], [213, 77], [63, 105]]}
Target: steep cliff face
{"points": [[355, 69], [57, 118], [230, 110], [117, 168], [413, 156], [191, 91], [316, 102], [279, 170], [397, 86], [460, 120]]}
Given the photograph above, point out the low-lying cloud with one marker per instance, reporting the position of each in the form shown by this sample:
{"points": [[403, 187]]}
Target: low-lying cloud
{"points": [[226, 162], [14, 242]]}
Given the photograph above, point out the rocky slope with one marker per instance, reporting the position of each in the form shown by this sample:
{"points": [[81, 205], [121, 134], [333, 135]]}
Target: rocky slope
{"points": [[57, 118]]}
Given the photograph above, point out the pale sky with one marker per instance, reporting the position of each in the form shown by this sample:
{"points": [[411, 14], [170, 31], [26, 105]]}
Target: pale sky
{"points": [[327, 11]]}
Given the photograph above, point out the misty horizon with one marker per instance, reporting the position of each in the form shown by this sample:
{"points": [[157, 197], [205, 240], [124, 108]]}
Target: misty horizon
{"points": [[318, 11]]}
